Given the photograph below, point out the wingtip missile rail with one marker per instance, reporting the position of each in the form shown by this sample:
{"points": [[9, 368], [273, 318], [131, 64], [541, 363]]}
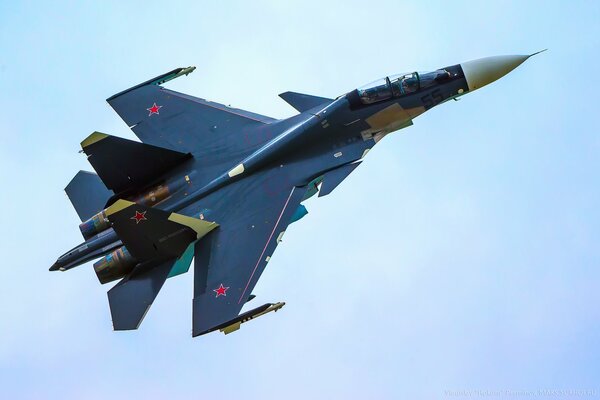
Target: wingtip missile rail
{"points": [[235, 324], [159, 80]]}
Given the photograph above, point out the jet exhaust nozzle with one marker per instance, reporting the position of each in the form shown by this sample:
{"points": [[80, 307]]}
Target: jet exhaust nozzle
{"points": [[114, 266]]}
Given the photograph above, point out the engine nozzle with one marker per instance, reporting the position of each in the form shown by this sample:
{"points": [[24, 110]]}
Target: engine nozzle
{"points": [[114, 265]]}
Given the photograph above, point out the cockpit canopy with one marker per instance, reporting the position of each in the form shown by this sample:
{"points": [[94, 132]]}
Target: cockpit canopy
{"points": [[399, 85]]}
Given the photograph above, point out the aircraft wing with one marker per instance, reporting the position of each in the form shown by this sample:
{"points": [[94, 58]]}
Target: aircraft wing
{"points": [[230, 260], [215, 133]]}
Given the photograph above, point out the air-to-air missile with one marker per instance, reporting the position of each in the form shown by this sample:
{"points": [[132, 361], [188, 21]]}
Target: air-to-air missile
{"points": [[220, 185]]}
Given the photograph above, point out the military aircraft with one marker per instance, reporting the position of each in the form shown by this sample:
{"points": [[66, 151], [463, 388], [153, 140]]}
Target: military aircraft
{"points": [[220, 185]]}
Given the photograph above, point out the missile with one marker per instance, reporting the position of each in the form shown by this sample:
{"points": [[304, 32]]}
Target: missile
{"points": [[234, 324], [173, 75]]}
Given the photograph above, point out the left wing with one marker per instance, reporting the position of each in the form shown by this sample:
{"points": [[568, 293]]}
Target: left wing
{"points": [[230, 260], [214, 133]]}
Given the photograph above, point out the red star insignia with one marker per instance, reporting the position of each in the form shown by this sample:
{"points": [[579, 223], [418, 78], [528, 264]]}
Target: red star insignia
{"points": [[154, 109], [220, 291], [139, 216]]}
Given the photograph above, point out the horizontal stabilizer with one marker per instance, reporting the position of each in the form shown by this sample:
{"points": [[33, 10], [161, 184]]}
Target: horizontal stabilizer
{"points": [[131, 298], [87, 194], [303, 102], [333, 178], [150, 233], [124, 164]]}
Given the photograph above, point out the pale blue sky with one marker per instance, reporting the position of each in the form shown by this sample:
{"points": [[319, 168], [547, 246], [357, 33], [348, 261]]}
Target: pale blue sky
{"points": [[463, 254]]}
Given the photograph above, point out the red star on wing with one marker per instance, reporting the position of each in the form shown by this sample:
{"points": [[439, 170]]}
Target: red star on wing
{"points": [[221, 290], [139, 216], [154, 109]]}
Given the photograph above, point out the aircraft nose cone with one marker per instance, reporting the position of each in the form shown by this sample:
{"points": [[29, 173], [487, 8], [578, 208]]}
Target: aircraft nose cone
{"points": [[483, 71]]}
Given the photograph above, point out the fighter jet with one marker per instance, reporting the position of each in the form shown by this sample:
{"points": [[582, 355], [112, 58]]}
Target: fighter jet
{"points": [[221, 185]]}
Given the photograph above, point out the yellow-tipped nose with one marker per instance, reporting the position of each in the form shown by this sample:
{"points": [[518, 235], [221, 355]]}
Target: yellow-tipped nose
{"points": [[483, 71]]}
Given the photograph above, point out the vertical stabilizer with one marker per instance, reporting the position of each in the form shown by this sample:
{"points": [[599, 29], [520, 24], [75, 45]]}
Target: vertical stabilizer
{"points": [[87, 194]]}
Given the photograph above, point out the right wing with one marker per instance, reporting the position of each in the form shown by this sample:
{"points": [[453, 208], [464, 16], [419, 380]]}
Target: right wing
{"points": [[230, 260]]}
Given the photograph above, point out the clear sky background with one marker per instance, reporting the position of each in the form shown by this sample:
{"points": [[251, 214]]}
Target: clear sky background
{"points": [[462, 255]]}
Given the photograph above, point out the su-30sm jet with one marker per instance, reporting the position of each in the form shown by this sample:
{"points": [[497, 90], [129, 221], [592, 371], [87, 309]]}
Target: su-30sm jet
{"points": [[220, 185]]}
